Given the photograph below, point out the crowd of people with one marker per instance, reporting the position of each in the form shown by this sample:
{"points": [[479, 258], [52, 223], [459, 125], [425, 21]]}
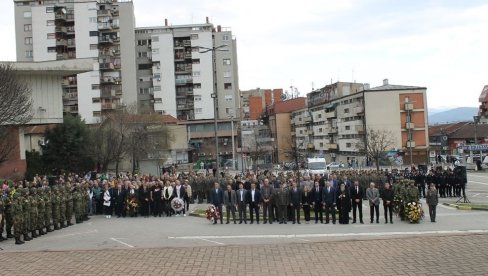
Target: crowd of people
{"points": [[33, 208]]}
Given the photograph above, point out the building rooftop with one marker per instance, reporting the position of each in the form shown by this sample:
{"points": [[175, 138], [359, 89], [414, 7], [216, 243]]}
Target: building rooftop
{"points": [[387, 86], [55, 67]]}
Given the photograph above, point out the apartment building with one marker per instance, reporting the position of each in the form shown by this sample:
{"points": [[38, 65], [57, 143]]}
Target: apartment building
{"points": [[177, 75], [99, 29], [254, 101], [483, 111], [337, 117]]}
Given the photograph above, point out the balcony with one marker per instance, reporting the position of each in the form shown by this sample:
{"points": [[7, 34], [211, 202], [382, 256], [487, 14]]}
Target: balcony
{"points": [[68, 83], [70, 30], [70, 108], [330, 115], [409, 125], [70, 17], [106, 66], [60, 29], [61, 56], [61, 42], [187, 43], [331, 146], [103, 13], [333, 130], [307, 119], [188, 55], [71, 42], [106, 53], [408, 106], [70, 96], [360, 129], [109, 106], [107, 80], [60, 16], [105, 40], [410, 144], [104, 26]]}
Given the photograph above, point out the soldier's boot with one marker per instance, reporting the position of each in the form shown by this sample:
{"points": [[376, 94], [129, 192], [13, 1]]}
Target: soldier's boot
{"points": [[63, 225], [49, 229], [69, 223], [34, 234], [2, 238], [56, 226], [9, 235], [19, 241], [26, 237], [41, 231]]}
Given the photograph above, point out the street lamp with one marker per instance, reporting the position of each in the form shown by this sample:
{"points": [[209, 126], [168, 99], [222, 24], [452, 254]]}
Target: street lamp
{"points": [[476, 120], [214, 96], [232, 137]]}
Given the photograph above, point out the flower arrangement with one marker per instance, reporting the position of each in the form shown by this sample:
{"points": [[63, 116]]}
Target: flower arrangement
{"points": [[177, 204], [212, 213], [414, 212]]}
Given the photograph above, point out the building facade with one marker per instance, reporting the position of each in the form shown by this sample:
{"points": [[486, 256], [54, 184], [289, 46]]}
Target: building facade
{"points": [[177, 74], [98, 29]]}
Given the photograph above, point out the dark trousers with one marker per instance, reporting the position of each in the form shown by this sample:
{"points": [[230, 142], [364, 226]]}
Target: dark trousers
{"points": [[221, 211], [120, 209], [357, 206], [267, 212], [282, 213], [306, 212], [330, 209], [241, 207], [158, 207], [372, 209], [230, 209], [432, 212], [296, 212], [254, 209], [144, 208], [317, 209], [388, 209]]}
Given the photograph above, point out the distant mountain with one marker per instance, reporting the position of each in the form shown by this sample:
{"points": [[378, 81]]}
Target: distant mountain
{"points": [[453, 115]]}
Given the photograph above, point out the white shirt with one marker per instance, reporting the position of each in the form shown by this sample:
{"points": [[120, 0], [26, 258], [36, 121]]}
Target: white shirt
{"points": [[252, 194], [178, 188], [242, 199]]}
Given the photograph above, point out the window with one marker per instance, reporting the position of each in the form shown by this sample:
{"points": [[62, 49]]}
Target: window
{"points": [[227, 85], [196, 73], [51, 49], [97, 113], [348, 145], [95, 86], [157, 88], [194, 36], [226, 61], [95, 100], [228, 98], [93, 46], [346, 110], [155, 38], [50, 23], [49, 9], [321, 145], [142, 54], [348, 127], [227, 74], [197, 98], [195, 49], [93, 33], [51, 36], [195, 61], [28, 54], [320, 129], [228, 111], [158, 100], [225, 37], [157, 77], [92, 20], [197, 85], [155, 51], [28, 41], [27, 27], [142, 42], [143, 91], [145, 66], [319, 116], [198, 110], [27, 14]]}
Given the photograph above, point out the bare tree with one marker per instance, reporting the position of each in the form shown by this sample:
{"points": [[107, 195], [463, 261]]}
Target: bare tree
{"points": [[15, 108], [376, 144]]}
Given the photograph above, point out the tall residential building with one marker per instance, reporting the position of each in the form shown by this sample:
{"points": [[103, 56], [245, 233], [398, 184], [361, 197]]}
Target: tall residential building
{"points": [[483, 111], [98, 29], [177, 77], [255, 101]]}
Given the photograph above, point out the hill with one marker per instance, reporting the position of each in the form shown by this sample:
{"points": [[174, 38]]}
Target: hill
{"points": [[453, 115]]}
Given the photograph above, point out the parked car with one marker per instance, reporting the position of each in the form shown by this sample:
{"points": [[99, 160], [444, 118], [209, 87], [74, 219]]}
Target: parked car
{"points": [[334, 165]]}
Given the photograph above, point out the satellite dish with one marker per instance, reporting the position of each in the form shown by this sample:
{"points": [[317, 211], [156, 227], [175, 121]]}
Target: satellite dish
{"points": [[283, 97]]}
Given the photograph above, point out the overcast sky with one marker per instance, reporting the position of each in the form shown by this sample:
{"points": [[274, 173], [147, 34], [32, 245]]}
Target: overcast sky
{"points": [[442, 45]]}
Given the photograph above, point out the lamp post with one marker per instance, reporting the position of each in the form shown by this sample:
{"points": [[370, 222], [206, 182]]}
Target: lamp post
{"points": [[408, 120], [242, 146], [215, 102], [232, 137], [476, 120]]}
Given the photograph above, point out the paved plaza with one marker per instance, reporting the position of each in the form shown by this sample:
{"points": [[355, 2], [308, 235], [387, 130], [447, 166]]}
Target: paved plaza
{"points": [[456, 245]]}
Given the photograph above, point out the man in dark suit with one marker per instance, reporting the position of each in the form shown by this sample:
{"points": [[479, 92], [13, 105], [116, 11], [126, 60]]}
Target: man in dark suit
{"points": [[254, 200], [119, 195], [316, 194], [295, 202], [217, 198], [242, 203], [329, 199], [266, 192], [230, 201], [357, 194]]}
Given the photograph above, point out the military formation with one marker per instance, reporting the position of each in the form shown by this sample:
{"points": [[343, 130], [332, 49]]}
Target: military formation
{"points": [[31, 210]]}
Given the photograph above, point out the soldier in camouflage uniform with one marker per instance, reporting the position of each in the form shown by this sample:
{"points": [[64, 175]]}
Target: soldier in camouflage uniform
{"points": [[33, 212], [56, 202], [8, 211], [69, 205], [62, 206], [77, 204], [17, 217], [26, 204], [49, 209], [41, 211]]}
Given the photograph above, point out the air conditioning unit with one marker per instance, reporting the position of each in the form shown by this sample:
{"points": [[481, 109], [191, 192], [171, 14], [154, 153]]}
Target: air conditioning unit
{"points": [[409, 126], [410, 144], [409, 106]]}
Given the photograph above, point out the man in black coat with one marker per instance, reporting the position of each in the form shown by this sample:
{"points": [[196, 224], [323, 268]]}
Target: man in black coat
{"points": [[254, 200], [217, 199], [120, 196], [387, 196], [316, 194], [357, 194], [329, 200], [295, 202]]}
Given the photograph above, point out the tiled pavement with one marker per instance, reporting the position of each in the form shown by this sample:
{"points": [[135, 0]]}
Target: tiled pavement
{"points": [[431, 255]]}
